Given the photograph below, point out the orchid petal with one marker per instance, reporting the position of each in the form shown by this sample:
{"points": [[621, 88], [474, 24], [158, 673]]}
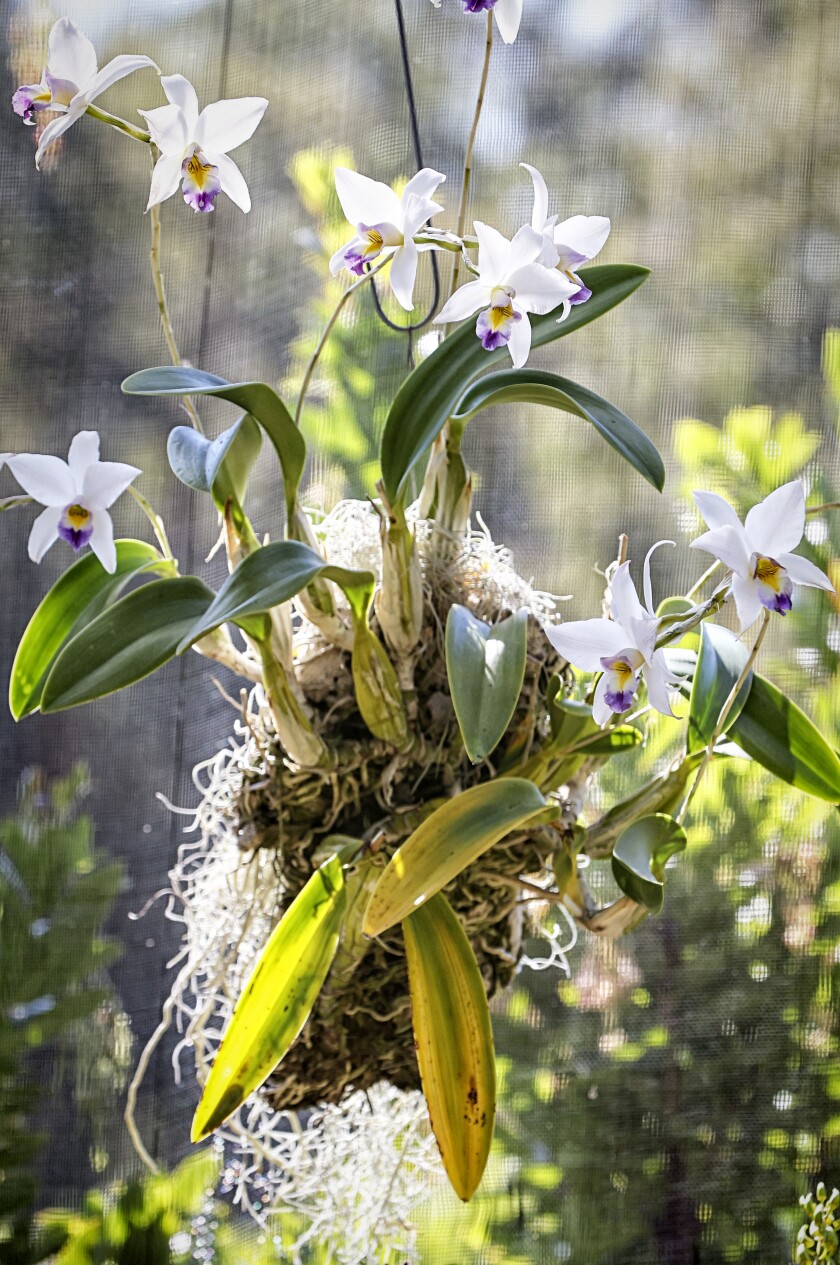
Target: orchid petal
{"points": [[644, 633], [165, 177], [44, 532], [728, 545], [527, 244], [648, 588], [602, 713], [231, 179], [58, 127], [747, 601], [624, 600], [168, 128], [225, 125], [519, 343], [539, 214], [540, 289], [716, 511], [466, 300], [586, 642], [801, 571], [416, 212], [493, 253], [423, 185], [404, 274], [105, 481], [508, 16], [117, 69], [71, 54], [48, 480], [337, 260], [102, 540], [180, 93], [582, 235], [84, 452], [777, 523], [366, 201], [657, 679]]}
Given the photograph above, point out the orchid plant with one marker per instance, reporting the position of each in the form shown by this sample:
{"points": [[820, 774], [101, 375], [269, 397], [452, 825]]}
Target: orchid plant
{"points": [[511, 754]]}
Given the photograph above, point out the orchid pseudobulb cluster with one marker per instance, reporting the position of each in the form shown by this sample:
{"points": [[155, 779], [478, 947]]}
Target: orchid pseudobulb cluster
{"points": [[422, 729]]}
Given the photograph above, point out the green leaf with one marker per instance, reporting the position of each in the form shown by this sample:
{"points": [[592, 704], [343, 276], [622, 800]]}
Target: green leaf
{"points": [[72, 603], [486, 667], [534, 386], [256, 398], [779, 736], [613, 741], [273, 575], [454, 1040], [445, 844], [640, 855], [719, 664], [430, 394], [377, 688], [277, 999], [126, 642], [220, 465]]}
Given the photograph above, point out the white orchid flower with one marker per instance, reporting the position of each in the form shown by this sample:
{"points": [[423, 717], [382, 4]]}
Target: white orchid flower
{"points": [[77, 494], [511, 283], [570, 244], [194, 147], [385, 224], [759, 552], [71, 81], [623, 648], [508, 14]]}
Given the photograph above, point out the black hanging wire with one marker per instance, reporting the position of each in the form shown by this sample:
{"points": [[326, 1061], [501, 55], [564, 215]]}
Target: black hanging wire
{"points": [[418, 154]]}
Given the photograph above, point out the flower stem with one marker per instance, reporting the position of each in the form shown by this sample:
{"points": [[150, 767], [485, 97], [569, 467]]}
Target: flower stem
{"points": [[156, 521], [676, 629], [720, 726], [707, 575], [313, 359], [113, 120], [818, 509], [163, 308], [468, 157]]}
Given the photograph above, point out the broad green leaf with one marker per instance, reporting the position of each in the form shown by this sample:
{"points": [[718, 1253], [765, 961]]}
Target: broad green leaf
{"points": [[273, 575], [256, 398], [430, 394], [277, 999], [72, 602], [454, 1040], [534, 386], [639, 857], [127, 641], [220, 465], [446, 843], [779, 736], [719, 664], [486, 667]]}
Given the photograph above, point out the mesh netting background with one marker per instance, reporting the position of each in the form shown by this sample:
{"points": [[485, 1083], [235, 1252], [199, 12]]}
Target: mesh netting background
{"points": [[707, 130]]}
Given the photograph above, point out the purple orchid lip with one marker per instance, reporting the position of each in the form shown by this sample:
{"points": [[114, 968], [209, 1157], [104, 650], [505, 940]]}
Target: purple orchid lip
{"points": [[495, 333], [580, 296], [781, 603], [201, 199], [619, 700], [25, 105], [478, 6], [354, 261]]}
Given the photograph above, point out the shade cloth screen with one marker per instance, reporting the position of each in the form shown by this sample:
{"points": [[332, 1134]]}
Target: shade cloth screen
{"points": [[707, 131]]}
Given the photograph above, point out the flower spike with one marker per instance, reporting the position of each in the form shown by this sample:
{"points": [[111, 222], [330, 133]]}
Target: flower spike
{"points": [[759, 551], [77, 494], [194, 147], [71, 82]]}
